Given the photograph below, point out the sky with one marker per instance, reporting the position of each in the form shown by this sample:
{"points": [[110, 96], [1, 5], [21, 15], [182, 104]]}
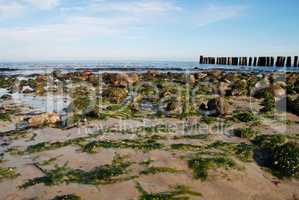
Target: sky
{"points": [[46, 30]]}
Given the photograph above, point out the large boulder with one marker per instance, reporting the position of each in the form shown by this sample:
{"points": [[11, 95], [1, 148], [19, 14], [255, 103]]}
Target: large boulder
{"points": [[123, 79], [293, 105], [27, 89], [223, 88], [218, 106], [239, 88], [115, 94], [215, 73], [277, 90], [6, 97], [44, 119]]}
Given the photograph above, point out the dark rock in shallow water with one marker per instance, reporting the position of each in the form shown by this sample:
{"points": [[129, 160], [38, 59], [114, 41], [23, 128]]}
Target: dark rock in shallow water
{"points": [[6, 97]]}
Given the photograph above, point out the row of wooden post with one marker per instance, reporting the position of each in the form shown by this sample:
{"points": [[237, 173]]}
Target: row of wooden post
{"points": [[280, 61]]}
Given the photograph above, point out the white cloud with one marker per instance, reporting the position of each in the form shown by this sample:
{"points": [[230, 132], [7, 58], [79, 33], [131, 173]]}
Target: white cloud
{"points": [[144, 6], [70, 30], [216, 13], [42, 4], [10, 9]]}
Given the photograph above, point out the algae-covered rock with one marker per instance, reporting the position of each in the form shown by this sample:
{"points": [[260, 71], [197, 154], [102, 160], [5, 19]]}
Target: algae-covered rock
{"points": [[219, 106], [293, 105], [115, 94], [44, 119]]}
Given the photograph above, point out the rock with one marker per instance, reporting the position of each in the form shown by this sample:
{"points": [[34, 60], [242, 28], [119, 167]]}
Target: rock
{"points": [[277, 91], [203, 106], [260, 86], [27, 89], [174, 106], [223, 88], [41, 78], [215, 73], [22, 125], [123, 80], [6, 97], [152, 73], [239, 88], [40, 89], [134, 78], [200, 75], [293, 105], [115, 94], [94, 80], [44, 119], [57, 74], [218, 105], [87, 72]]}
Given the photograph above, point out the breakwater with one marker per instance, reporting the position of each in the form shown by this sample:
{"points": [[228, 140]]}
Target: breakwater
{"points": [[279, 61]]}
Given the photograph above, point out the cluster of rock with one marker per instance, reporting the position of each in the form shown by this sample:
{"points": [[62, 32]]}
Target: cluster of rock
{"points": [[153, 87]]}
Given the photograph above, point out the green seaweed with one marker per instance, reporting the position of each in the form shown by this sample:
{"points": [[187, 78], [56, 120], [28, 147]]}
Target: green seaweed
{"points": [[192, 137], [178, 192], [5, 116], [104, 174], [247, 116], [270, 141], [242, 151], [157, 170], [141, 144], [209, 120], [200, 165], [268, 102], [67, 197], [45, 146], [8, 173], [247, 133], [186, 147]]}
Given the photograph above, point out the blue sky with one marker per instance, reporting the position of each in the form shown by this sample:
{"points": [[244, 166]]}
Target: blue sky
{"points": [[37, 30]]}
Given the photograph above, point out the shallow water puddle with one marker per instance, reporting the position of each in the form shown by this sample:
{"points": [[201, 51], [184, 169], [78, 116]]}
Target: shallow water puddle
{"points": [[49, 103]]}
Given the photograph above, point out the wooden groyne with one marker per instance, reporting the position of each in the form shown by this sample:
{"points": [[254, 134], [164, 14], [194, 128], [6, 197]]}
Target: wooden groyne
{"points": [[279, 61]]}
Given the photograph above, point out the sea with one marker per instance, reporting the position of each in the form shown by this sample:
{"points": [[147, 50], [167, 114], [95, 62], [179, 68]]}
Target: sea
{"points": [[28, 68]]}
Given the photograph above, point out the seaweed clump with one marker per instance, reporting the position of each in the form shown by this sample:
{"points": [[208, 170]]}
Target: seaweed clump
{"points": [[45, 146], [242, 151], [178, 192], [247, 133], [279, 155], [67, 197], [157, 170], [186, 147], [104, 174], [4, 116], [8, 173], [268, 102], [247, 116], [142, 144], [200, 165]]}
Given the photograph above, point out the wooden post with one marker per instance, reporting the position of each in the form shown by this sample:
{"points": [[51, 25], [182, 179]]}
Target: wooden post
{"points": [[296, 64], [201, 60], [271, 61], [283, 61], [289, 61], [268, 61], [278, 61], [250, 61], [254, 62], [259, 61]]}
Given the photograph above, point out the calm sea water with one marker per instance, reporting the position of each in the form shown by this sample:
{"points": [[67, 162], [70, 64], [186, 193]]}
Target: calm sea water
{"points": [[139, 66]]}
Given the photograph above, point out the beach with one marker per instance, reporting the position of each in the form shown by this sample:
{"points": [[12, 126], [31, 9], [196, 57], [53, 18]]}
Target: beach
{"points": [[177, 133]]}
